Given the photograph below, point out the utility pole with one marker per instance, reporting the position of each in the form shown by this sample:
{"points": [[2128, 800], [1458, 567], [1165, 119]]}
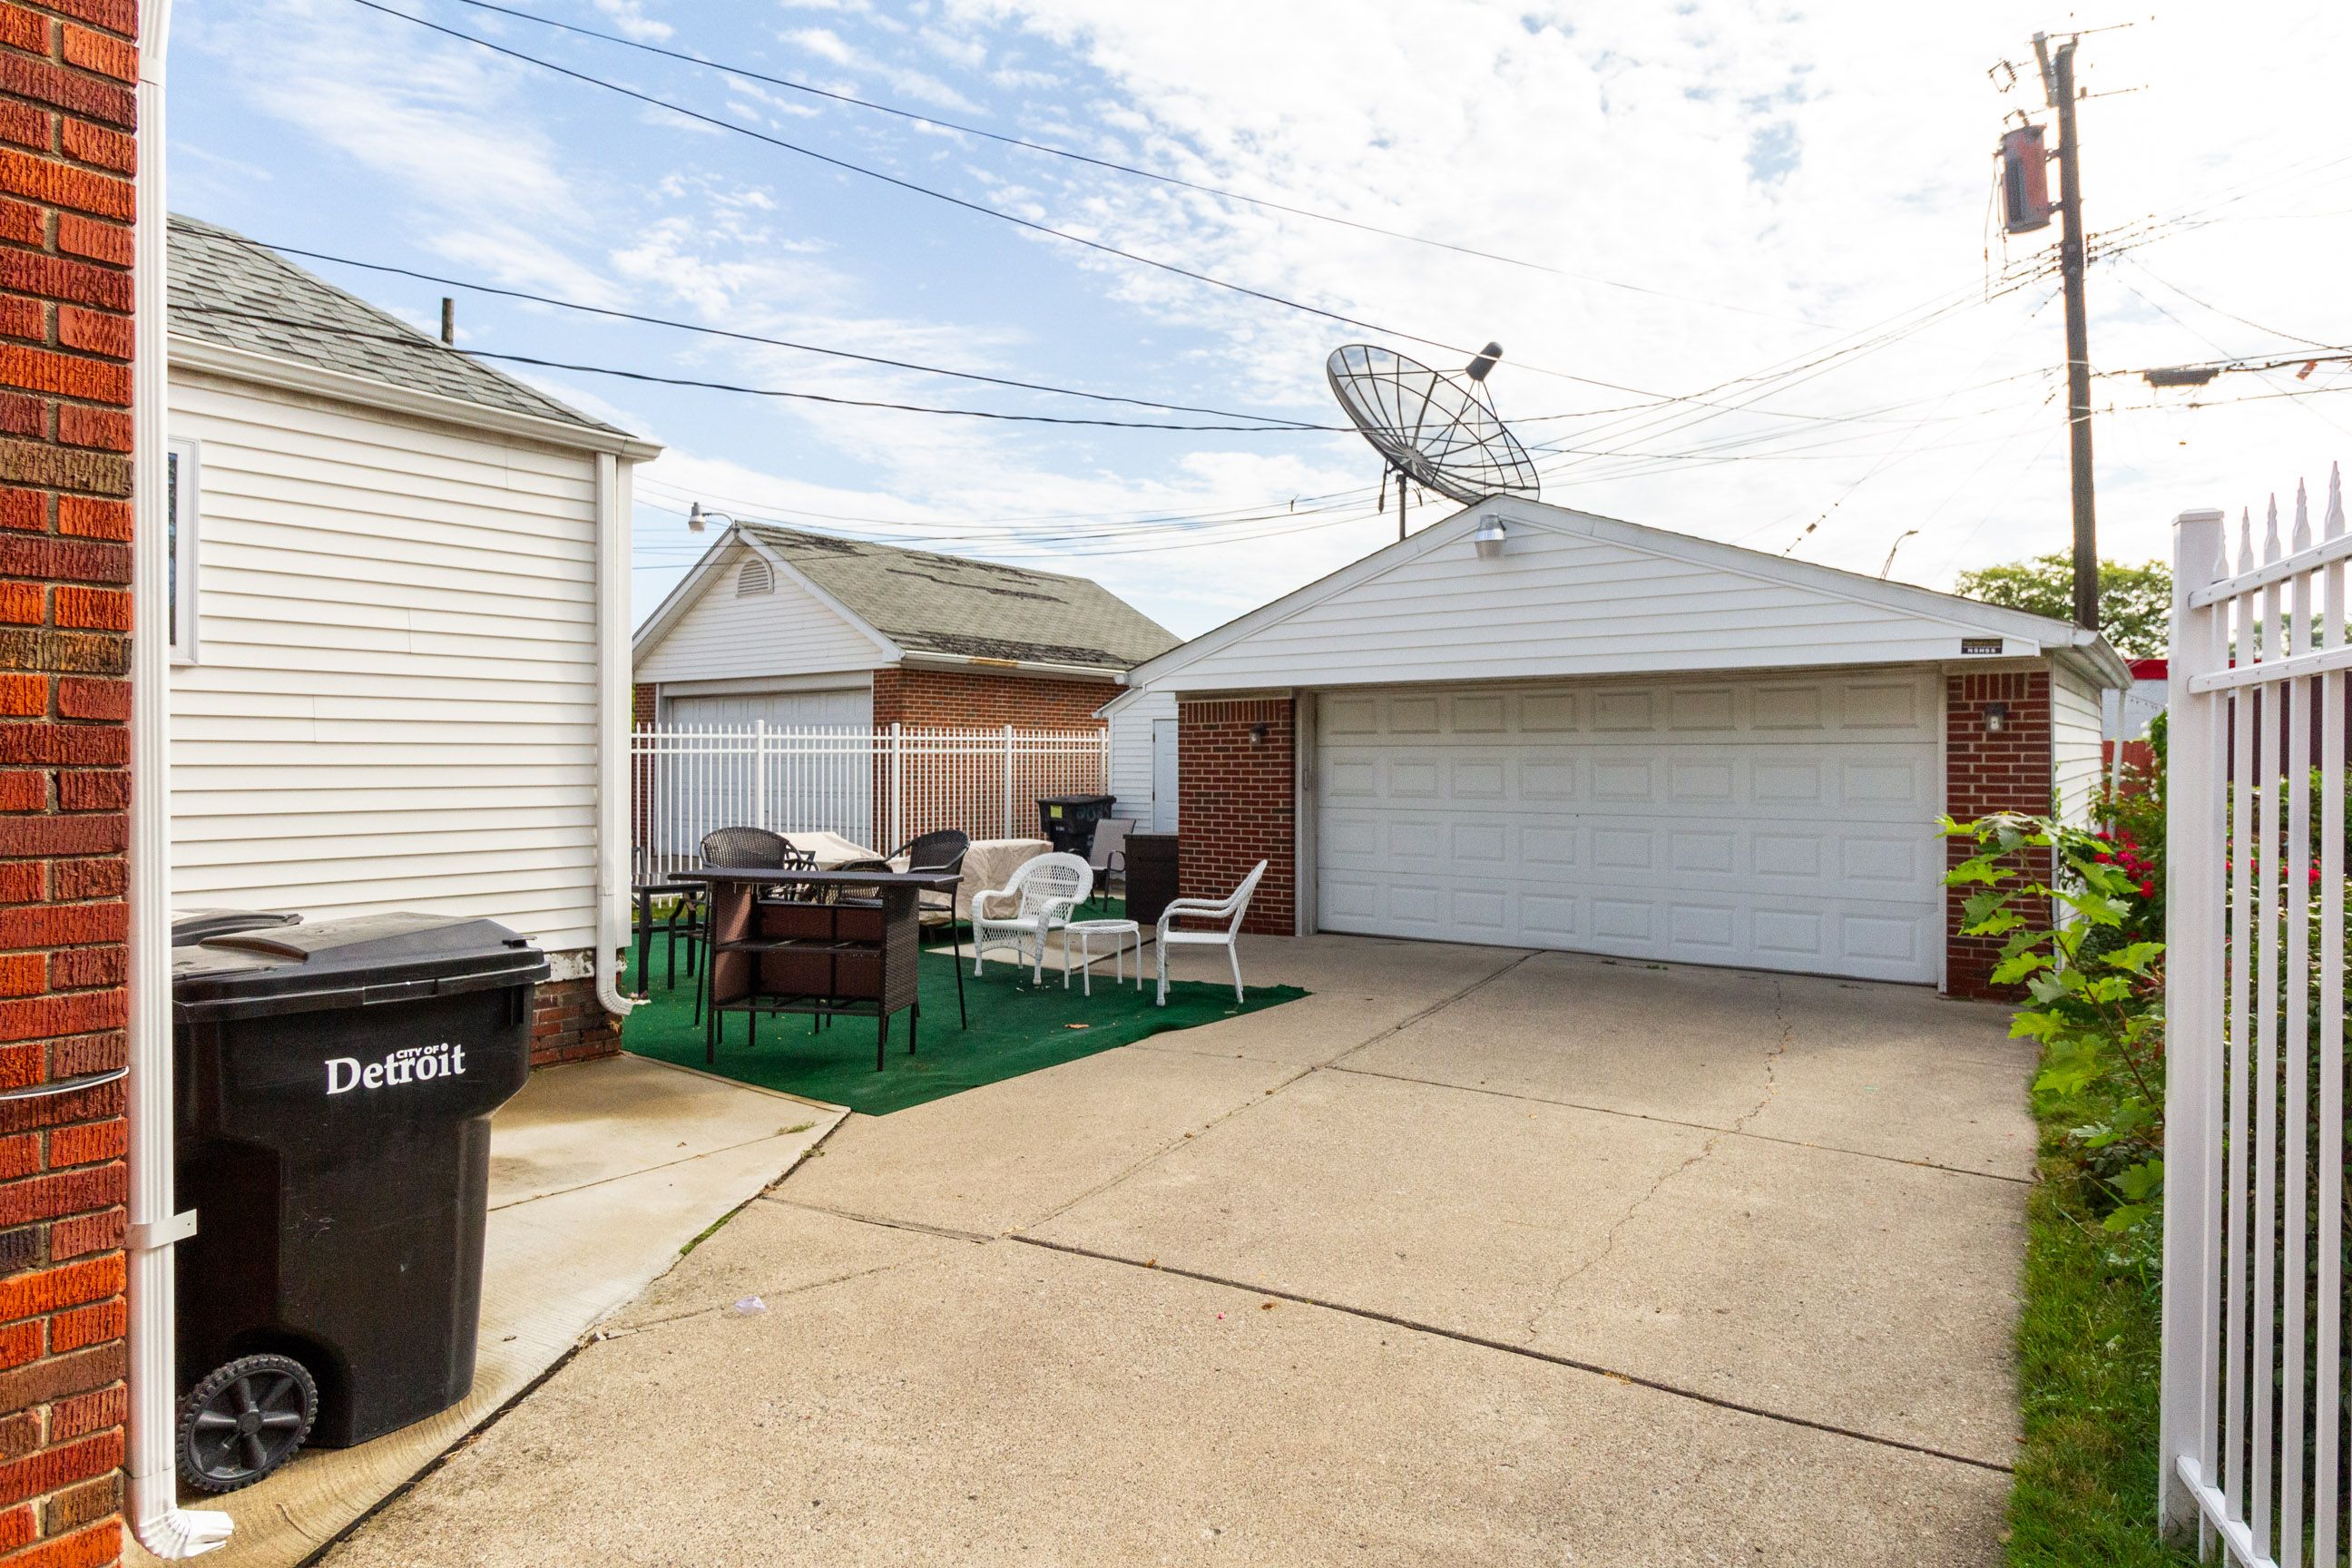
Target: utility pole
{"points": [[2058, 92]]}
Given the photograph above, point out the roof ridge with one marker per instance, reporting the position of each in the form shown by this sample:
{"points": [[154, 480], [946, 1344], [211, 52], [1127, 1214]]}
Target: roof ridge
{"points": [[909, 550]]}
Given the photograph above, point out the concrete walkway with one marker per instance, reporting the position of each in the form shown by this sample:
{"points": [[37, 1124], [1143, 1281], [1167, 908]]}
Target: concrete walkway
{"points": [[599, 1173], [1474, 1256]]}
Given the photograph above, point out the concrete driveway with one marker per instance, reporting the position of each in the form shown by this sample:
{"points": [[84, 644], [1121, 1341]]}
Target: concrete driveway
{"points": [[1474, 1256]]}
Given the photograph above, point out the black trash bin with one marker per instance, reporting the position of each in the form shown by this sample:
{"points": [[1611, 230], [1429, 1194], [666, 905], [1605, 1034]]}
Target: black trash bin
{"points": [[1068, 820], [335, 1085]]}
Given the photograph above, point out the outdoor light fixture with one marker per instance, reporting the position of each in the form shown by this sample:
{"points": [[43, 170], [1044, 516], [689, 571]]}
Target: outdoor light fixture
{"points": [[1257, 734], [696, 519], [1489, 539], [1996, 716]]}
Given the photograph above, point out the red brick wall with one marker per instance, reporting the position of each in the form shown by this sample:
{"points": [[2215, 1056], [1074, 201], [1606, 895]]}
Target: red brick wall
{"points": [[1237, 806], [67, 115], [568, 1025], [961, 699], [1985, 773]]}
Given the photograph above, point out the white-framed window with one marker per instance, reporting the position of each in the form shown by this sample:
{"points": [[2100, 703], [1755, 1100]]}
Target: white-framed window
{"points": [[182, 508]]}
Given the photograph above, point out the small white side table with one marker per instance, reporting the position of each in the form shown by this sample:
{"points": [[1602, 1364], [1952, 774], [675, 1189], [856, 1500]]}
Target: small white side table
{"points": [[1120, 932]]}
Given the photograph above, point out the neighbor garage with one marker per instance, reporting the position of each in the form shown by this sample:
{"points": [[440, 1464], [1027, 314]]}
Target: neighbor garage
{"points": [[1615, 739]]}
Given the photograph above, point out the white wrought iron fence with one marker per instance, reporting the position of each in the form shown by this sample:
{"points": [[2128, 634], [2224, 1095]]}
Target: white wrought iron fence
{"points": [[2254, 1370], [878, 787]]}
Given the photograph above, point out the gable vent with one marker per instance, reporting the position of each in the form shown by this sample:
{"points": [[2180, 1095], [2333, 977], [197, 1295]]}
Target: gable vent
{"points": [[756, 577]]}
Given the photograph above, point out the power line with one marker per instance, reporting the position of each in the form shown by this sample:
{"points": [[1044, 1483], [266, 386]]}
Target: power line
{"points": [[1102, 247], [644, 319], [1161, 177], [412, 342]]}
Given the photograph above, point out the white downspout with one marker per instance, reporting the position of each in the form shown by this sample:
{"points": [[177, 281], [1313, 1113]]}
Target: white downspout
{"points": [[162, 1526], [615, 710]]}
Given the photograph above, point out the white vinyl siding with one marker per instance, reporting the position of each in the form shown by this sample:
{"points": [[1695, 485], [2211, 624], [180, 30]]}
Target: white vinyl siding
{"points": [[395, 703], [724, 635], [1765, 822], [1560, 602], [2076, 722], [1130, 759]]}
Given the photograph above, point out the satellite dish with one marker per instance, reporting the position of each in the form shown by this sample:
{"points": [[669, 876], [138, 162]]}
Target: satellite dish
{"points": [[1440, 431]]}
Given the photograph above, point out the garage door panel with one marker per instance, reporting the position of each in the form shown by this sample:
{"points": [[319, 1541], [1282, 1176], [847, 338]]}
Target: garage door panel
{"points": [[1780, 824]]}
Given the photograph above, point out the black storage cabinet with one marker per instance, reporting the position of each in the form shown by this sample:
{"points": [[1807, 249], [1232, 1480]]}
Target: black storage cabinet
{"points": [[1068, 820], [1150, 875], [335, 1085]]}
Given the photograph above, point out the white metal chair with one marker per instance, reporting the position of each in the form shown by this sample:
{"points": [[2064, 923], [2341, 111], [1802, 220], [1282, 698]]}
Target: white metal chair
{"points": [[1228, 910], [1044, 893]]}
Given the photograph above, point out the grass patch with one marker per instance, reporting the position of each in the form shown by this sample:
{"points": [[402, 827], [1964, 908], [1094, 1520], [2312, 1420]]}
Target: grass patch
{"points": [[2087, 1367]]}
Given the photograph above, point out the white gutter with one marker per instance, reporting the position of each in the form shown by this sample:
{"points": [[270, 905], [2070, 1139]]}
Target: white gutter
{"points": [[926, 659], [614, 708], [162, 1526]]}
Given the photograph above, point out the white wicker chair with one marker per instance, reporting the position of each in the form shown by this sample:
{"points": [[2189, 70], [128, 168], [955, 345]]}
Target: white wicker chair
{"points": [[1043, 891], [1228, 911]]}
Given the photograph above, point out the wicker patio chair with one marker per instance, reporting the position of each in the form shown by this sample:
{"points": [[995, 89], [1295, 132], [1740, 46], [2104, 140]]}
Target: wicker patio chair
{"points": [[1044, 893]]}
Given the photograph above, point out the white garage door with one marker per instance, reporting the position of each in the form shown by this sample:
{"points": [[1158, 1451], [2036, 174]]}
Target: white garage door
{"points": [[1773, 823], [850, 707]]}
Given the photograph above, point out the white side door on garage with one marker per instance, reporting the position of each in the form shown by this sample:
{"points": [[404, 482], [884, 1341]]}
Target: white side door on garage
{"points": [[1772, 822]]}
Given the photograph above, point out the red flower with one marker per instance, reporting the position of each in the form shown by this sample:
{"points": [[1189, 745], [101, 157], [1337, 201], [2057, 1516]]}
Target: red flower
{"points": [[2148, 889]]}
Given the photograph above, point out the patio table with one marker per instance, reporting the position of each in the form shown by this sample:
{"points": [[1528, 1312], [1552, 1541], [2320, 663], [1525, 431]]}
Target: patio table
{"points": [[732, 968]]}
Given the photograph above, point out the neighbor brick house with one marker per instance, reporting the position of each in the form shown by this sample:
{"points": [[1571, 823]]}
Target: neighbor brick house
{"points": [[1586, 734], [67, 117]]}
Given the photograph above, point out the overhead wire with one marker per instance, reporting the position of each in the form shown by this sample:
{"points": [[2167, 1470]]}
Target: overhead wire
{"points": [[924, 117], [672, 323], [1031, 226]]}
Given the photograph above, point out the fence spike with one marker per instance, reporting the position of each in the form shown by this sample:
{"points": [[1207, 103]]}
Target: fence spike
{"points": [[2245, 541], [2302, 519], [2333, 524], [2271, 534]]}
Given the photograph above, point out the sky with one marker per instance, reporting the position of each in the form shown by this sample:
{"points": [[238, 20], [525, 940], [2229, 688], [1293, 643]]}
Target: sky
{"points": [[1743, 258]]}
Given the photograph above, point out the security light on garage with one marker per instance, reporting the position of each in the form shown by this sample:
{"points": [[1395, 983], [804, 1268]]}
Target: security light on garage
{"points": [[1489, 539]]}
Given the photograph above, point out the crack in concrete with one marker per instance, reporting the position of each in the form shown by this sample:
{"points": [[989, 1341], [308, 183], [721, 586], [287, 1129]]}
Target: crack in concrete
{"points": [[1779, 1047], [1772, 1057]]}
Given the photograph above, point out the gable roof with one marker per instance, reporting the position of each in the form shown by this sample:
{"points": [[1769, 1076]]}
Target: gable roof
{"points": [[236, 293], [1577, 593], [917, 602]]}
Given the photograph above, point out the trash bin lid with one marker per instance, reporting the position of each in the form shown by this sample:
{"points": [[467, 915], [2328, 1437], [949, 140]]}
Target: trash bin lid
{"points": [[196, 925], [357, 963]]}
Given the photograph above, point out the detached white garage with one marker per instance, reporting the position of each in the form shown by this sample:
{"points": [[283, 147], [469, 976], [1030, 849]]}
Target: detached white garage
{"points": [[1615, 739]]}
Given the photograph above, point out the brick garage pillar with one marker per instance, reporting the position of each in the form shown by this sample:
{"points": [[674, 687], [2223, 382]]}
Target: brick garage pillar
{"points": [[643, 710], [66, 119], [1236, 788], [1984, 774]]}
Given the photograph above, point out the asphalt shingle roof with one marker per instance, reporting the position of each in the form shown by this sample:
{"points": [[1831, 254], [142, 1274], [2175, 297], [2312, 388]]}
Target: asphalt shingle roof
{"points": [[945, 603], [230, 290]]}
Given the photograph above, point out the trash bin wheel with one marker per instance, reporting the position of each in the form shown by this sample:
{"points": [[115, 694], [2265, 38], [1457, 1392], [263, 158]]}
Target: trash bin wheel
{"points": [[244, 1420]]}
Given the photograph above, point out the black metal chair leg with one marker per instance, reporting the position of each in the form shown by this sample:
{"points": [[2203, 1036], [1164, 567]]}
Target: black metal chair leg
{"points": [[881, 1039], [963, 1018], [913, 1017]]}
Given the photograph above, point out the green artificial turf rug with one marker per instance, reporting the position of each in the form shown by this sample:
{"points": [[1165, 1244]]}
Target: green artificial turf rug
{"points": [[1015, 1028]]}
